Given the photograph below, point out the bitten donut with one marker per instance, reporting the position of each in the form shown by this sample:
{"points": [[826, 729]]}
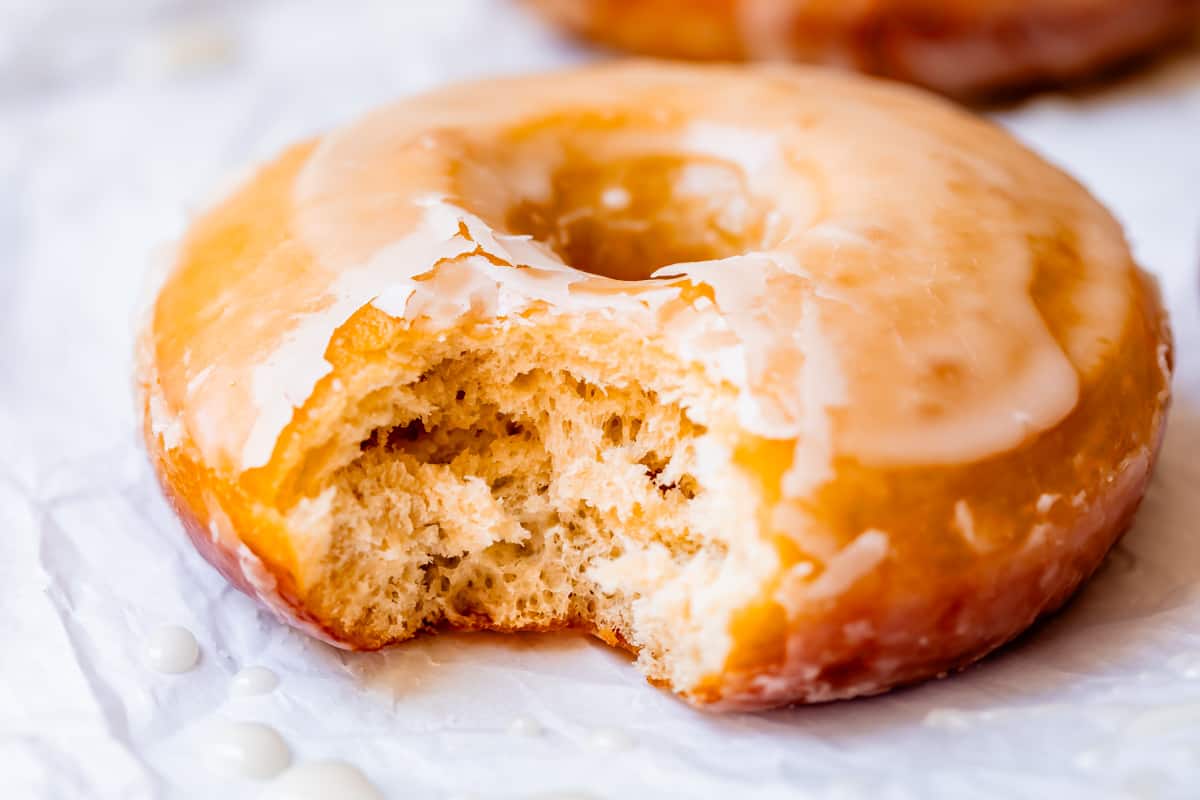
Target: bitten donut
{"points": [[797, 386], [966, 48]]}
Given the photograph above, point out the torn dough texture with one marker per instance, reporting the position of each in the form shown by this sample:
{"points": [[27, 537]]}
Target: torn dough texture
{"points": [[691, 358]]}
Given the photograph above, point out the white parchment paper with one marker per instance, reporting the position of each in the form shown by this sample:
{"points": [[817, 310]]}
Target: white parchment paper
{"points": [[115, 118]]}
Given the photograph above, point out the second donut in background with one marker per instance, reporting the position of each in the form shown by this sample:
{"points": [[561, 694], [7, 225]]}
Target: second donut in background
{"points": [[969, 49]]}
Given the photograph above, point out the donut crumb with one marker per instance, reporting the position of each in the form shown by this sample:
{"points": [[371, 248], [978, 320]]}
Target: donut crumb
{"points": [[507, 494]]}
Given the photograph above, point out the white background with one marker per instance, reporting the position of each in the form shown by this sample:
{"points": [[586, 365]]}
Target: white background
{"points": [[114, 121]]}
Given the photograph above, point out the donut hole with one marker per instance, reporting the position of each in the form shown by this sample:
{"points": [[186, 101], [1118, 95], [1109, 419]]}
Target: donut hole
{"points": [[628, 218], [624, 216]]}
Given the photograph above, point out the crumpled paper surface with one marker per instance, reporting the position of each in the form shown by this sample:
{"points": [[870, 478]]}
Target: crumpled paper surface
{"points": [[114, 118]]}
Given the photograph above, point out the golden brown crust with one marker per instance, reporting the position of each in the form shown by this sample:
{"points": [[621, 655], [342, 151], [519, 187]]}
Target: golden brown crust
{"points": [[930, 611], [976, 549], [958, 47], [192, 489], [953, 623], [921, 638]]}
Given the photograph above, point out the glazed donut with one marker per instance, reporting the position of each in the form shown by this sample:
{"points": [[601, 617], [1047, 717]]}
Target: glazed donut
{"points": [[965, 48], [692, 358]]}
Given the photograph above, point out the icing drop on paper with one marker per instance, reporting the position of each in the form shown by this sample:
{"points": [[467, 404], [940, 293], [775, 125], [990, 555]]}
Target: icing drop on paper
{"points": [[253, 680], [172, 649], [322, 780], [246, 750]]}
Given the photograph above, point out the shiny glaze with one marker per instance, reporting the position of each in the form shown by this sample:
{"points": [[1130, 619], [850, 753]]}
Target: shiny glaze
{"points": [[939, 316], [245, 750], [929, 332], [252, 681], [171, 649]]}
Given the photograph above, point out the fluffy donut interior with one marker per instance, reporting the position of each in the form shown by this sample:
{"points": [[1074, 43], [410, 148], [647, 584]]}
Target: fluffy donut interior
{"points": [[511, 491], [538, 478]]}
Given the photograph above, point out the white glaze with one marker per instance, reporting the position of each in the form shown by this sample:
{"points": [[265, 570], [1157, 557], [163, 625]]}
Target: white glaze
{"points": [[846, 567], [171, 649], [322, 780], [251, 681], [616, 197], [288, 376], [754, 150], [164, 424], [799, 345], [822, 388], [246, 750], [1045, 502], [964, 523], [791, 385]]}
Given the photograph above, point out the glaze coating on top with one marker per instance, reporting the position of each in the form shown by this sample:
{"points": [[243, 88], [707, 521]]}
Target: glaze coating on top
{"points": [[951, 376], [931, 355]]}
